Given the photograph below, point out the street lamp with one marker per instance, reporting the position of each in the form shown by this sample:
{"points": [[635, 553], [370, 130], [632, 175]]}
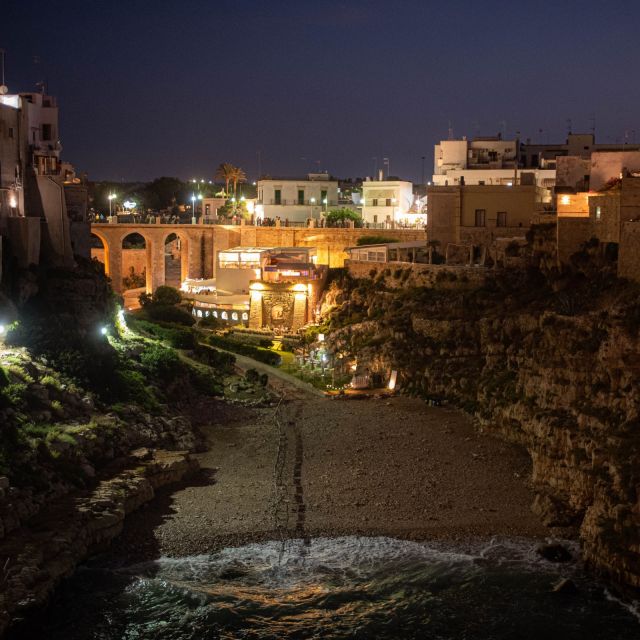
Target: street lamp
{"points": [[193, 207], [110, 197], [393, 211], [312, 201]]}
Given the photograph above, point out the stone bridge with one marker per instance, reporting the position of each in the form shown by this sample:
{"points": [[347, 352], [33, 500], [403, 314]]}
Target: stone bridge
{"points": [[200, 245]]}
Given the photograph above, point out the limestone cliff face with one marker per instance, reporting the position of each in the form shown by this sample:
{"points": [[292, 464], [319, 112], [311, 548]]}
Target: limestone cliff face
{"points": [[534, 370]]}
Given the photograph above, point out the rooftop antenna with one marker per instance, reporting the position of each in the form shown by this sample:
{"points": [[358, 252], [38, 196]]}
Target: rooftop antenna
{"points": [[569, 126], [593, 125], [450, 131], [3, 87], [503, 125]]}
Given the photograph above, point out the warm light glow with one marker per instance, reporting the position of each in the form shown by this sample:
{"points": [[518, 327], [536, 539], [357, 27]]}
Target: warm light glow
{"points": [[13, 203], [312, 200], [565, 200], [299, 287], [129, 204], [256, 286], [392, 380], [111, 196], [321, 337]]}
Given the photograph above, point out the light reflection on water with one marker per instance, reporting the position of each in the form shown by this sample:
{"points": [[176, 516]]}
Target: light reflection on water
{"points": [[349, 587]]}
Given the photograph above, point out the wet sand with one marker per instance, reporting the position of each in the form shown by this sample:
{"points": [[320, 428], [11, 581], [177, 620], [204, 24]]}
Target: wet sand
{"points": [[326, 467]]}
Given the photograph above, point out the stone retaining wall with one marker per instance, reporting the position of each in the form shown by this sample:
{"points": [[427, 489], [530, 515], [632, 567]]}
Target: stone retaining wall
{"points": [[403, 274]]}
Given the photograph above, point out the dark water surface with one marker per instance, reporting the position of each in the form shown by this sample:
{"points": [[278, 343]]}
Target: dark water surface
{"points": [[336, 588]]}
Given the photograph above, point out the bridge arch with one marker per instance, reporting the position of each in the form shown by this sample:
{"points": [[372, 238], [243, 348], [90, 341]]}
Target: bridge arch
{"points": [[183, 240], [106, 254], [130, 238]]}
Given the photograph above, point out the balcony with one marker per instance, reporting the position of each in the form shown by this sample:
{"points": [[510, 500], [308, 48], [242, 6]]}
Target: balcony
{"points": [[294, 202]]}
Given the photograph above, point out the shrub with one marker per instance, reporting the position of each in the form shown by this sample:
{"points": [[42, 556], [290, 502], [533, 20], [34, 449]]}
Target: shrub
{"points": [[364, 240], [257, 353], [209, 322], [167, 313], [161, 362], [204, 382], [132, 386], [167, 296], [178, 337], [213, 358]]}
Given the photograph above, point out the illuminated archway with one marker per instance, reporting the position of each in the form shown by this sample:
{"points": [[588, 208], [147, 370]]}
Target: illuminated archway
{"points": [[176, 258], [100, 251], [136, 262]]}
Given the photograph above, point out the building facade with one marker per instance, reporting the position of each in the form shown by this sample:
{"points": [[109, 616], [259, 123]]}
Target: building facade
{"points": [[389, 203], [296, 200], [476, 216], [36, 187]]}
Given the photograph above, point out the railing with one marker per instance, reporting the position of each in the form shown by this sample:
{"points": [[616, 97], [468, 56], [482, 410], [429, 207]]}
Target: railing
{"points": [[295, 202]]}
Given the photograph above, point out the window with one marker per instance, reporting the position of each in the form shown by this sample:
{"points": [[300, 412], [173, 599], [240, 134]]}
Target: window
{"points": [[388, 202], [481, 182], [493, 156], [300, 196], [224, 315], [375, 219], [277, 195], [11, 133], [481, 214], [46, 132], [598, 213], [502, 219], [375, 202], [234, 316], [245, 316]]}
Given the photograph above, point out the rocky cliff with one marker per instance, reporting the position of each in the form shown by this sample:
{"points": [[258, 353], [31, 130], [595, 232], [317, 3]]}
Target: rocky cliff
{"points": [[553, 365]]}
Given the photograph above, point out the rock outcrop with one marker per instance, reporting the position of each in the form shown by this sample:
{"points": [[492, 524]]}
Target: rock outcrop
{"points": [[36, 557], [556, 371]]}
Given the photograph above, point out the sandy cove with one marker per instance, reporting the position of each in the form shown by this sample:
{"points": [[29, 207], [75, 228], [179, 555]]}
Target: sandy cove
{"points": [[327, 467]]}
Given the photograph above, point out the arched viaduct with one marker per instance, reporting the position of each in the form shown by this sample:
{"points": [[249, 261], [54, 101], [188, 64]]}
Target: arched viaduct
{"points": [[201, 243]]}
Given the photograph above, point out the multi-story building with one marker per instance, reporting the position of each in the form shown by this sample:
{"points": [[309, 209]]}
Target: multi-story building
{"points": [[486, 161], [389, 203], [491, 160], [475, 216], [35, 186], [296, 199]]}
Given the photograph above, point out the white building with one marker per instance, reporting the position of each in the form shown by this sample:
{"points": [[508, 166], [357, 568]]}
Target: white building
{"points": [[33, 181], [296, 199], [389, 203], [489, 161]]}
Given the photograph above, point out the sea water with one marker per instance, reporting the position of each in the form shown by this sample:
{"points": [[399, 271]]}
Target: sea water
{"points": [[350, 587]]}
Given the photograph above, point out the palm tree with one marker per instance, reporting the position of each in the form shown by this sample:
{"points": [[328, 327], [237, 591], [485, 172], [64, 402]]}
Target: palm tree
{"points": [[237, 176], [225, 171]]}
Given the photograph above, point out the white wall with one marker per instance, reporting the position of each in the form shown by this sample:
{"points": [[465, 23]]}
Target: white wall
{"points": [[382, 191]]}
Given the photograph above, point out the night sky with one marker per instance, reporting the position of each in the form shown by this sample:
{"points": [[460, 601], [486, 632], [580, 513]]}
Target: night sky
{"points": [[174, 88]]}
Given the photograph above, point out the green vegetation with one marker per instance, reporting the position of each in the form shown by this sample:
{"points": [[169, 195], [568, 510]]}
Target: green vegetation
{"points": [[257, 353], [163, 306], [364, 240], [338, 216]]}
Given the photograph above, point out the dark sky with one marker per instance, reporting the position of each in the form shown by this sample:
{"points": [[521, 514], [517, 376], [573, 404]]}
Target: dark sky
{"points": [[151, 88]]}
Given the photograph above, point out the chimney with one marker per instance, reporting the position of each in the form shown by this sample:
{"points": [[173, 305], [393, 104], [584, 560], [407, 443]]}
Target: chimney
{"points": [[380, 175]]}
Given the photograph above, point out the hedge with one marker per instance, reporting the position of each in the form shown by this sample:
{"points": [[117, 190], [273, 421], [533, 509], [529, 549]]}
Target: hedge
{"points": [[257, 353]]}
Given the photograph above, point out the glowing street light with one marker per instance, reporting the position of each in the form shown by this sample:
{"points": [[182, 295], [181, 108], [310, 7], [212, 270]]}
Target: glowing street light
{"points": [[110, 197], [104, 331]]}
